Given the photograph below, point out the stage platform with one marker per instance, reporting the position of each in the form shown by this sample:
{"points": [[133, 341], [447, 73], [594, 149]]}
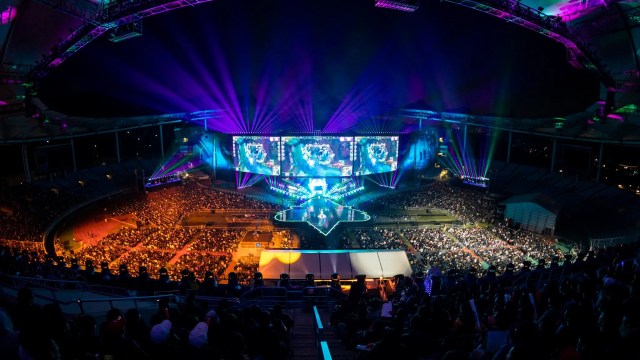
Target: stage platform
{"points": [[322, 213]]}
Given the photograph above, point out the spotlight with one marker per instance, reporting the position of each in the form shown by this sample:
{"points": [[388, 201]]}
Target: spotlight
{"points": [[284, 281], [335, 281], [310, 280]]}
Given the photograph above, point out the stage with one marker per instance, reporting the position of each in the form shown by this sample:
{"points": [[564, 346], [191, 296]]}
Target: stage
{"points": [[322, 214]]}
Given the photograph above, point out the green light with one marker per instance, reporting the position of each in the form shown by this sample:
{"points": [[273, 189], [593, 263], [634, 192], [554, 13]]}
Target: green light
{"points": [[631, 108]]}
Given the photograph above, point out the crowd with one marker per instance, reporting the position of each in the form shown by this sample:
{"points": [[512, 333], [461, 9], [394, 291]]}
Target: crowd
{"points": [[460, 248], [482, 242], [97, 254], [153, 260], [465, 203], [245, 268], [172, 239], [188, 330], [34, 206], [536, 247], [165, 207], [201, 263], [592, 312], [158, 238], [218, 240], [127, 236], [378, 238]]}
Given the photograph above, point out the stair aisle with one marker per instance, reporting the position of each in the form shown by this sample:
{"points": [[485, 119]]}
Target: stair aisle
{"points": [[338, 350], [302, 339]]}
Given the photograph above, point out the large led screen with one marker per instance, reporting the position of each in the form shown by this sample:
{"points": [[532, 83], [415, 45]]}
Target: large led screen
{"points": [[257, 154], [317, 156], [376, 154]]}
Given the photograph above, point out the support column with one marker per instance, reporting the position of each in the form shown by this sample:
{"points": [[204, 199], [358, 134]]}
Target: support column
{"points": [[213, 158], [600, 161], [420, 124], [117, 147], [553, 155], [464, 142], [509, 148], [415, 157], [161, 141], [25, 163], [73, 154]]}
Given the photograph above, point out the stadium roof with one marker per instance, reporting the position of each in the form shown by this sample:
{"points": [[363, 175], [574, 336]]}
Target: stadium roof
{"points": [[320, 64], [540, 199]]}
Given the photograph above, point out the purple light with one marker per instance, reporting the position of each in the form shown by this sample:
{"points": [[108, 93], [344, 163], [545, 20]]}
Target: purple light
{"points": [[352, 108], [407, 6], [56, 62], [615, 117]]}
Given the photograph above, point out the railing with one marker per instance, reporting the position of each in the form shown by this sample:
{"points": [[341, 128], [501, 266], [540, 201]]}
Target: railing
{"points": [[267, 296], [75, 297], [264, 296], [137, 302], [321, 344], [321, 296], [49, 284], [214, 301]]}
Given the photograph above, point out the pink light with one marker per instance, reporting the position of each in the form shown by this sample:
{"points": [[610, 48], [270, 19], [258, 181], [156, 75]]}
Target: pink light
{"points": [[615, 117], [56, 62], [7, 15], [408, 6]]}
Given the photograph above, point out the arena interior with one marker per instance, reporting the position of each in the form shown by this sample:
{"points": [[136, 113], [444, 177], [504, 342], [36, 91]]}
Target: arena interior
{"points": [[281, 179]]}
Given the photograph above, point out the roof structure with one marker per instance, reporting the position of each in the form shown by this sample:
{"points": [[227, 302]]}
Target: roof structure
{"points": [[91, 68], [540, 199]]}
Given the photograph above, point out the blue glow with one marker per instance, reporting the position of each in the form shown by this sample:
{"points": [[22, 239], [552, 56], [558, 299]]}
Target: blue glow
{"points": [[326, 354], [318, 320]]}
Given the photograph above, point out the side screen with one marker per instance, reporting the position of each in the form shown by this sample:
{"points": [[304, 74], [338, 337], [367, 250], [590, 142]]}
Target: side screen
{"points": [[376, 154], [257, 154], [317, 156]]}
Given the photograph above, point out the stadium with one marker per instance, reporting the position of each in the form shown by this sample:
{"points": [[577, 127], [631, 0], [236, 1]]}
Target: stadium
{"points": [[363, 179]]}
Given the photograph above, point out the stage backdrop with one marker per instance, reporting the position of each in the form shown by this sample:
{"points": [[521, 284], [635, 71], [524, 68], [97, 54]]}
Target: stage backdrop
{"points": [[323, 263]]}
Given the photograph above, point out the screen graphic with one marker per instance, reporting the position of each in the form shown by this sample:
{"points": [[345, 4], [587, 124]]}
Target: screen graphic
{"points": [[376, 154], [317, 156], [257, 154]]}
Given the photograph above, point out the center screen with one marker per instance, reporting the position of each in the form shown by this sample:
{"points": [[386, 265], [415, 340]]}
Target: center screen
{"points": [[317, 156], [256, 154]]}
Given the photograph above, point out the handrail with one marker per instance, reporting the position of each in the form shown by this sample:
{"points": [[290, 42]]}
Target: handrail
{"points": [[216, 299], [318, 321], [321, 343], [110, 301], [49, 284], [325, 354], [140, 298], [272, 293]]}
